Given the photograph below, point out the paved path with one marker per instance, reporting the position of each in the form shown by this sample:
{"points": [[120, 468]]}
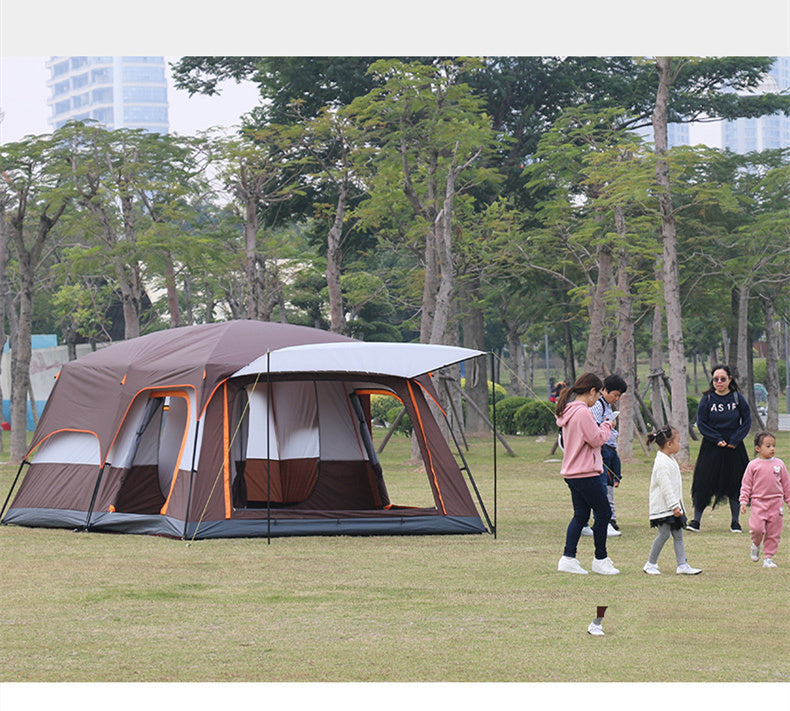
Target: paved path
{"points": [[784, 422]]}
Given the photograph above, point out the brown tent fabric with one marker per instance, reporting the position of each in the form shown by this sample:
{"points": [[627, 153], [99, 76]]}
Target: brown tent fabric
{"points": [[157, 435]]}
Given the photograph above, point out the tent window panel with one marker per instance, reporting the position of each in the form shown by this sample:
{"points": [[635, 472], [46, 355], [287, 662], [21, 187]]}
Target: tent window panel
{"points": [[339, 426], [75, 447]]}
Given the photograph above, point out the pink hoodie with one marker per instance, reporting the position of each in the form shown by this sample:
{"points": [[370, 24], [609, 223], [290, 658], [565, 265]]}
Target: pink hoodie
{"points": [[582, 438]]}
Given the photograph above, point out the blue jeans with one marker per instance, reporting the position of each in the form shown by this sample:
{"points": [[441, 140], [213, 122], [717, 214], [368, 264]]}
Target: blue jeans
{"points": [[588, 494]]}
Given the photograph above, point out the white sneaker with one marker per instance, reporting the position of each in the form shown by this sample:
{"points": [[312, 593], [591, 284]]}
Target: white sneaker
{"points": [[604, 567], [612, 531], [651, 569], [570, 565], [686, 569], [587, 531], [768, 563], [595, 629], [755, 553]]}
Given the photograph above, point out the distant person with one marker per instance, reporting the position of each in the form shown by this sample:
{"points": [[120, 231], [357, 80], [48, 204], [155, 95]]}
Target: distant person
{"points": [[665, 508], [556, 390], [603, 409], [581, 468], [765, 484], [723, 420]]}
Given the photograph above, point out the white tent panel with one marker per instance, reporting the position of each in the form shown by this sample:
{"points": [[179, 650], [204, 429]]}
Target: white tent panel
{"points": [[338, 423], [407, 360], [72, 447]]}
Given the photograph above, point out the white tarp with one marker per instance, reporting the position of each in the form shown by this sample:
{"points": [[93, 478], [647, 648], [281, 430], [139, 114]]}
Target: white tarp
{"points": [[406, 360]]}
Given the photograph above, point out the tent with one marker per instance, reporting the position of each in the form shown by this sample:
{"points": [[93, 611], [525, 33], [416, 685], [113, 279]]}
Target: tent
{"points": [[241, 428]]}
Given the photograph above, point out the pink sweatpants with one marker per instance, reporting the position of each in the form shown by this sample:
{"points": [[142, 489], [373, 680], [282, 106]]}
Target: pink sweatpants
{"points": [[765, 524]]}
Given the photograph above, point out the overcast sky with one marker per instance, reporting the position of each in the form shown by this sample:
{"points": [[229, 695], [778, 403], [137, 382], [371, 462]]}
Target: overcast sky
{"points": [[349, 27], [24, 93]]}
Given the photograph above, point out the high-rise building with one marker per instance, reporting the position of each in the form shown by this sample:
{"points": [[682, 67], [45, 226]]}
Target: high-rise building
{"points": [[765, 132], [118, 92]]}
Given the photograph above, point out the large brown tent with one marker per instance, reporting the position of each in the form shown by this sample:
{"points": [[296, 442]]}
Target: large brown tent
{"points": [[242, 428]]}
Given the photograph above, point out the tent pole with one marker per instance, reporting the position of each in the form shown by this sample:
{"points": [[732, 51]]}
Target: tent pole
{"points": [[268, 450], [492, 527], [93, 497], [13, 486], [494, 438], [191, 478]]}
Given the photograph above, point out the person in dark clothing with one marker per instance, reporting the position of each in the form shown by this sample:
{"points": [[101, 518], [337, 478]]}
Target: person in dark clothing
{"points": [[723, 420]]}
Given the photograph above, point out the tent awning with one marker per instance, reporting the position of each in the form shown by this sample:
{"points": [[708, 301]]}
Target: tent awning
{"points": [[407, 360]]}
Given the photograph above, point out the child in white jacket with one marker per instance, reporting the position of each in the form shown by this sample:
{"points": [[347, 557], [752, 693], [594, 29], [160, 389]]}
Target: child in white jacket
{"points": [[667, 512]]}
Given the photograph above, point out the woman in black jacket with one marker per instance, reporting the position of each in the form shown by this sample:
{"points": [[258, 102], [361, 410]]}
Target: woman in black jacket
{"points": [[723, 420]]}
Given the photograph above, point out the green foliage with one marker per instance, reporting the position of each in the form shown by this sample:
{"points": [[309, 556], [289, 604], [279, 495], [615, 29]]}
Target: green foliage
{"points": [[505, 413], [761, 372], [535, 417], [404, 426]]}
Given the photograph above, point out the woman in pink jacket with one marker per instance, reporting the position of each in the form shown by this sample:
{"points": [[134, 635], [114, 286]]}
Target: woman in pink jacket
{"points": [[581, 468]]}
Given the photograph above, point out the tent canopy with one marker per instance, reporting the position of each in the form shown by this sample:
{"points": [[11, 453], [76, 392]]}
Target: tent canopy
{"points": [[236, 429]]}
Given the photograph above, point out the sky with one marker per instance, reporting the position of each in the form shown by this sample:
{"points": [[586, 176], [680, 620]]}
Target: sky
{"points": [[176, 28], [24, 93]]}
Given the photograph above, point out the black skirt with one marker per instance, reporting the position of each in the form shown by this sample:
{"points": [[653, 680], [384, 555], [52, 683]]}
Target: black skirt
{"points": [[718, 473], [673, 521]]}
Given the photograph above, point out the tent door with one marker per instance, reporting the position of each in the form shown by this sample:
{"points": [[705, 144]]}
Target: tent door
{"points": [[154, 458]]}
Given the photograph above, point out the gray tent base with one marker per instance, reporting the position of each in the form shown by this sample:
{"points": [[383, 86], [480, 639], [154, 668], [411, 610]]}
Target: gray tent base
{"points": [[157, 525]]}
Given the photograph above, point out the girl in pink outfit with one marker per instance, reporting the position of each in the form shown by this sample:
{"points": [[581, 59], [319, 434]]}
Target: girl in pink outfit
{"points": [[765, 484], [582, 466]]}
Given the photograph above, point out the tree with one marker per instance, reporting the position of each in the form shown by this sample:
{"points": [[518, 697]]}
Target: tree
{"points": [[431, 130], [35, 191]]}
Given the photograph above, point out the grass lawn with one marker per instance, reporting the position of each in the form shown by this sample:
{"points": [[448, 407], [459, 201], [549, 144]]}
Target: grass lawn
{"points": [[82, 607]]}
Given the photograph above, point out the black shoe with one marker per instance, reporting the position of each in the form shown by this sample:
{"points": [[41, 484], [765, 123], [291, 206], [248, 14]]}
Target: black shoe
{"points": [[693, 526], [735, 527], [614, 525]]}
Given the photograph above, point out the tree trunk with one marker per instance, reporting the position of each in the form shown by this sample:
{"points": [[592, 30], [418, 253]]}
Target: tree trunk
{"points": [[657, 358], [624, 359], [476, 387], [744, 292], [677, 357], [594, 360], [172, 293], [254, 279], [333, 263], [771, 364]]}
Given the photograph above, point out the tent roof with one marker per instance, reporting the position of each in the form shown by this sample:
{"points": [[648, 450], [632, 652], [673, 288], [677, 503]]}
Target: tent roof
{"points": [[406, 360]]}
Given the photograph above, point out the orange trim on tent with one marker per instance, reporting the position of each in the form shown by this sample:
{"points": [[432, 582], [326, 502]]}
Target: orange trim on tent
{"points": [[226, 448], [436, 402], [427, 448], [175, 393]]}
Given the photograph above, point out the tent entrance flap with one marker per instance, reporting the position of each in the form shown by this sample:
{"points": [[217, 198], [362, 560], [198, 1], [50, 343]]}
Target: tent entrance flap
{"points": [[150, 462]]}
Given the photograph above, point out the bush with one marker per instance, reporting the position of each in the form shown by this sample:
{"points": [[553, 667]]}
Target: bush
{"points": [[505, 413], [535, 417]]}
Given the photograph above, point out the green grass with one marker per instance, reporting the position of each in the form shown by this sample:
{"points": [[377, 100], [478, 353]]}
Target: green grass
{"points": [[80, 607]]}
